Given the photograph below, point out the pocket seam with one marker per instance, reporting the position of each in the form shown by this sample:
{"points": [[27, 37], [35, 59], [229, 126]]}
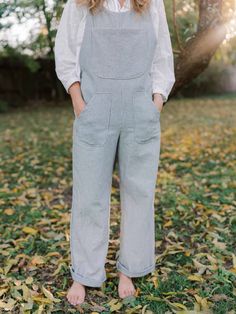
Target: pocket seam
{"points": [[86, 142], [146, 96], [88, 104], [157, 117]]}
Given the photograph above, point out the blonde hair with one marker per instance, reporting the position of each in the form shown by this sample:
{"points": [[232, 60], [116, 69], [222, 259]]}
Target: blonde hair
{"points": [[138, 6]]}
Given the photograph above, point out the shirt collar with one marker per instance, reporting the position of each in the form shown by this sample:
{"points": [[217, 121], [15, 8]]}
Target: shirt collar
{"points": [[114, 5]]}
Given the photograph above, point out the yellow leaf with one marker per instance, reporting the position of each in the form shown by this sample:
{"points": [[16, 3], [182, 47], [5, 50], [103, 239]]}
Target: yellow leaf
{"points": [[219, 245], [57, 271], [27, 306], [42, 300], [29, 230], [137, 293], [144, 309], [26, 292], [211, 259], [37, 259], [29, 280], [169, 213], [155, 281], [201, 268], [49, 295], [3, 290], [202, 302], [187, 253], [10, 263], [54, 254], [195, 278], [115, 305], [158, 243], [179, 305], [40, 309], [7, 306], [168, 223], [9, 211], [32, 193], [5, 253], [234, 260], [133, 310], [198, 298]]}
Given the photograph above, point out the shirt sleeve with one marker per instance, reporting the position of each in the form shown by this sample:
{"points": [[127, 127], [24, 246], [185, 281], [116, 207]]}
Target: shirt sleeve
{"points": [[67, 44], [162, 71]]}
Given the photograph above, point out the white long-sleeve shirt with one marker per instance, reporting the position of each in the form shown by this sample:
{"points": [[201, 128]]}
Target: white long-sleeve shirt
{"points": [[70, 35]]}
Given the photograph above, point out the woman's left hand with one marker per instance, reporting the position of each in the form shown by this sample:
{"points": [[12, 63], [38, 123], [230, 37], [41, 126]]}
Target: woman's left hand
{"points": [[158, 101]]}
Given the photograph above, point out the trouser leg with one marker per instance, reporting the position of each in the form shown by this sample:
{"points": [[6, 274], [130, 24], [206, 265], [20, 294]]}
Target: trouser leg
{"points": [[90, 213], [138, 166]]}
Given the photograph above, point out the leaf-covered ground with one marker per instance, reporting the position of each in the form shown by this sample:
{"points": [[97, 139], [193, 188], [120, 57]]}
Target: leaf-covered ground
{"points": [[195, 214]]}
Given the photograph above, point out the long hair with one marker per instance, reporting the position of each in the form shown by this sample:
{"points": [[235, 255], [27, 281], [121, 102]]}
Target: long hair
{"points": [[138, 6]]}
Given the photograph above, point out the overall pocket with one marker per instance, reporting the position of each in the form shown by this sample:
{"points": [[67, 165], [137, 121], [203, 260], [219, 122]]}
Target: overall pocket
{"points": [[146, 117], [93, 122]]}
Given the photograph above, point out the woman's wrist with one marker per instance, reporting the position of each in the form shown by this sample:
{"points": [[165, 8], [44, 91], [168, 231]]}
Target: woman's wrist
{"points": [[162, 96], [75, 91]]}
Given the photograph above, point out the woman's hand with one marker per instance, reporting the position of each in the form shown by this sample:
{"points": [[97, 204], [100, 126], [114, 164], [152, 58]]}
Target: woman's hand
{"points": [[158, 100], [77, 99]]}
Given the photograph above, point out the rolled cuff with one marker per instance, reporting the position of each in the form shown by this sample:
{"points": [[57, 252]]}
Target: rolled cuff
{"points": [[90, 282], [143, 272], [163, 93], [68, 84]]}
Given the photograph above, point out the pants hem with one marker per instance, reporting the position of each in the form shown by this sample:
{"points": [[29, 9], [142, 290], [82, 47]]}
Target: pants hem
{"points": [[142, 273], [85, 280]]}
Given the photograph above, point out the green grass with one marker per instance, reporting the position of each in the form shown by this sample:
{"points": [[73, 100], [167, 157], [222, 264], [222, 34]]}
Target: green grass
{"points": [[195, 213]]}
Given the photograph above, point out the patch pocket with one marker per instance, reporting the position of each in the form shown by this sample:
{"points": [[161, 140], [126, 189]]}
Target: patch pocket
{"points": [[146, 117], [93, 122], [113, 53]]}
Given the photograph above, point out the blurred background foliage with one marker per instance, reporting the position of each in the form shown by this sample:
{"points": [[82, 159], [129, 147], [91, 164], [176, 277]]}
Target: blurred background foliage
{"points": [[28, 30]]}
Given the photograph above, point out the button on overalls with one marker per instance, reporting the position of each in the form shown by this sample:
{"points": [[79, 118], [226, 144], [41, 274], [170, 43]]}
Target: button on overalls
{"points": [[119, 116]]}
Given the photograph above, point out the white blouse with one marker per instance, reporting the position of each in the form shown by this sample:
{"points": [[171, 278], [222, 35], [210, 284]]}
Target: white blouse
{"points": [[70, 35]]}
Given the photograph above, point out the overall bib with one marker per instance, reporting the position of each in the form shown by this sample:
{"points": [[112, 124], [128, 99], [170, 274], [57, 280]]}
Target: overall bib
{"points": [[119, 117]]}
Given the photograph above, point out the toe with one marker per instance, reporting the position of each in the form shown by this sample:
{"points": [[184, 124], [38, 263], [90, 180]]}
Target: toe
{"points": [[70, 301], [77, 300], [122, 294], [81, 300], [74, 300], [130, 292]]}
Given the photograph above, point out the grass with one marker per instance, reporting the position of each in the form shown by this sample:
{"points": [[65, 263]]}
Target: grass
{"points": [[195, 214]]}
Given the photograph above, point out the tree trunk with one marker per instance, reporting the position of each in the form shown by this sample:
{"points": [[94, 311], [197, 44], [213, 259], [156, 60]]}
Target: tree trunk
{"points": [[198, 51]]}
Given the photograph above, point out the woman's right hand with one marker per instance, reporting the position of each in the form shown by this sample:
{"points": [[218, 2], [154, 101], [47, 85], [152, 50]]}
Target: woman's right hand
{"points": [[78, 105], [77, 99]]}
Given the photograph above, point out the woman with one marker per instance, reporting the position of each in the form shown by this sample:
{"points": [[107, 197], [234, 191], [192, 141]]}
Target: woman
{"points": [[115, 60]]}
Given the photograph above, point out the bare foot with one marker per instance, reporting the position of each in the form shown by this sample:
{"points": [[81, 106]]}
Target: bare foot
{"points": [[125, 287], [76, 293]]}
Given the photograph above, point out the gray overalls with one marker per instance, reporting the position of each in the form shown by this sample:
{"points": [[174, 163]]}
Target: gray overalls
{"points": [[115, 59]]}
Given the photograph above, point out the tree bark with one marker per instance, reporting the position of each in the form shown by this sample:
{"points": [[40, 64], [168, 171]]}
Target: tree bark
{"points": [[198, 51]]}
